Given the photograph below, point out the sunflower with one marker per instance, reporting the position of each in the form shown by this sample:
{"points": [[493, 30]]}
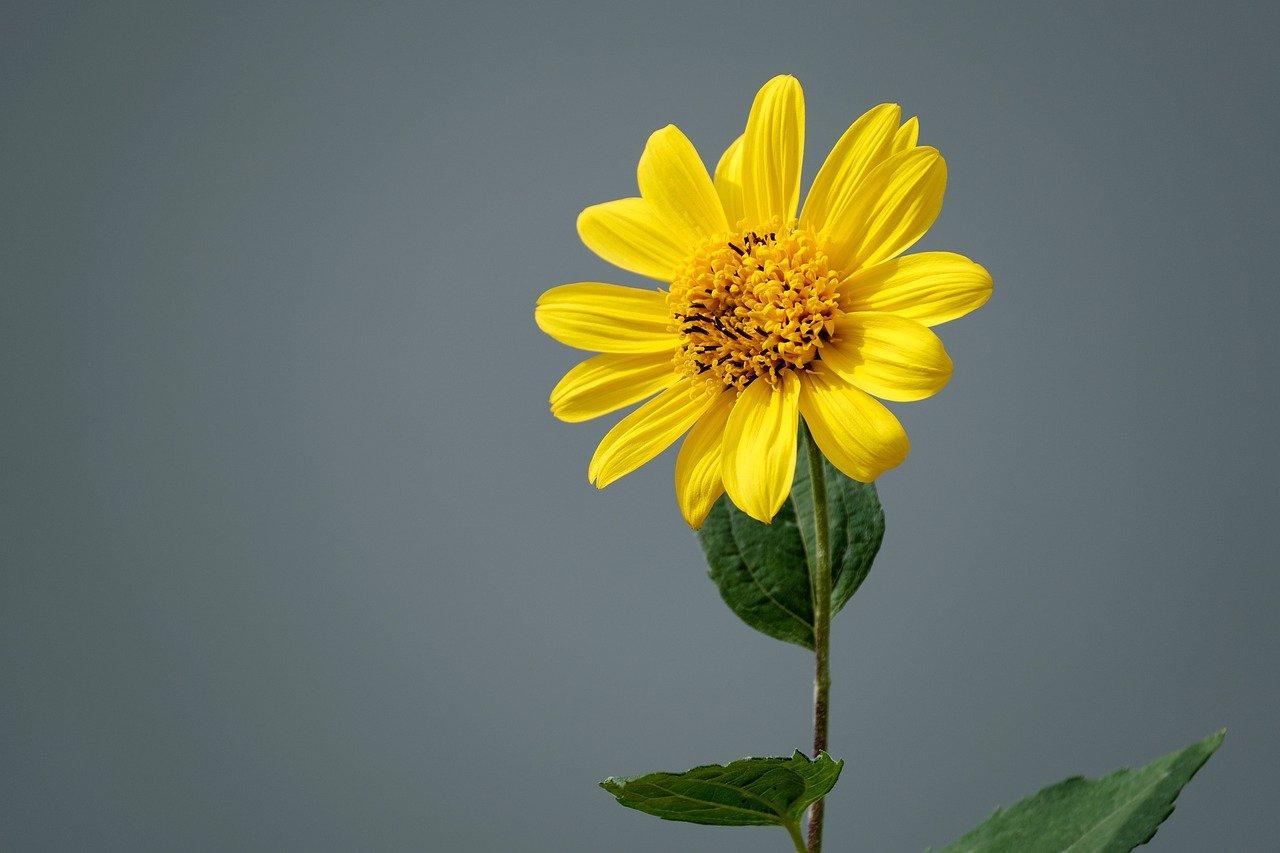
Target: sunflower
{"points": [[764, 317]]}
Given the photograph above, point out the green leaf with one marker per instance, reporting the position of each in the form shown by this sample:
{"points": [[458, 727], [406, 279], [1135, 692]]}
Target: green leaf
{"points": [[747, 792], [1114, 813], [762, 570]]}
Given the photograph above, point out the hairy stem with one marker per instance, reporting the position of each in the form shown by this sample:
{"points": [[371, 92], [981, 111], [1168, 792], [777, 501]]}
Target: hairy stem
{"points": [[820, 583]]}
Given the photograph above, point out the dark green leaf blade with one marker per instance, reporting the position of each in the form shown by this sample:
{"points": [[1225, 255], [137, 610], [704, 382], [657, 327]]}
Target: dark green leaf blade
{"points": [[746, 792], [820, 776], [763, 570], [1115, 813]]}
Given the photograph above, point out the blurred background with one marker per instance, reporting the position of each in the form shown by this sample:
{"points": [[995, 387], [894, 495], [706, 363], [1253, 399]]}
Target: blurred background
{"points": [[293, 557]]}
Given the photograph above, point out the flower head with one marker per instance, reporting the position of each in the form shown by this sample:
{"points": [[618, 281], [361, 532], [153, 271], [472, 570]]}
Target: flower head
{"points": [[764, 317]]}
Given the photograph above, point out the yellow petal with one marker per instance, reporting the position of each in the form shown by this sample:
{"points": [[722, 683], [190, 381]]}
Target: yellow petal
{"points": [[930, 287], [891, 357], [907, 136], [698, 481], [859, 435], [678, 189], [891, 209], [628, 234], [729, 182], [606, 318], [760, 446], [606, 383], [646, 432], [864, 146], [773, 151]]}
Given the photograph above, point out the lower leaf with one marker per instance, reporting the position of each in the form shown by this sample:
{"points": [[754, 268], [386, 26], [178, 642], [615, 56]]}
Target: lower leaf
{"points": [[1114, 813], [747, 792]]}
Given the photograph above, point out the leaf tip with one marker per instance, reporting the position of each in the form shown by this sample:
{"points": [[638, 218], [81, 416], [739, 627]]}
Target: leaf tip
{"points": [[1213, 741]]}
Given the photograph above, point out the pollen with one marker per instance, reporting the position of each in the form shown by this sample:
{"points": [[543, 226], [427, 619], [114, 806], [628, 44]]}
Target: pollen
{"points": [[752, 304]]}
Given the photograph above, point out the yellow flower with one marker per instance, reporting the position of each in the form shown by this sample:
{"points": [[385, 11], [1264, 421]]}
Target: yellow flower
{"points": [[765, 318]]}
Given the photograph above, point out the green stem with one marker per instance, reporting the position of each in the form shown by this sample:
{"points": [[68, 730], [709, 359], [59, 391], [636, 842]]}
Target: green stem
{"points": [[821, 585], [796, 839]]}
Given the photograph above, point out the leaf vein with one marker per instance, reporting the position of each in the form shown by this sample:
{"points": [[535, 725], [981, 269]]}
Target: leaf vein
{"points": [[733, 788], [755, 579], [1142, 792]]}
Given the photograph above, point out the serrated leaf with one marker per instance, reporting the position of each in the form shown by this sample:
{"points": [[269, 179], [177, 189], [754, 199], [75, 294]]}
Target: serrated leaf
{"points": [[746, 792], [1115, 813], [763, 570]]}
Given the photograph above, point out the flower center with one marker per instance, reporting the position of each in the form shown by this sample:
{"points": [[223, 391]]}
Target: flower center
{"points": [[752, 304]]}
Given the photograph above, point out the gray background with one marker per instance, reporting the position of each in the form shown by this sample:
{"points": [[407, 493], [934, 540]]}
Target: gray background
{"points": [[294, 557]]}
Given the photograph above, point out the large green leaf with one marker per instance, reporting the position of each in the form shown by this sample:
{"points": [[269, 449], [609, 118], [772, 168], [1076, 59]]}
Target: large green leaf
{"points": [[747, 792], [762, 570], [1114, 813]]}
